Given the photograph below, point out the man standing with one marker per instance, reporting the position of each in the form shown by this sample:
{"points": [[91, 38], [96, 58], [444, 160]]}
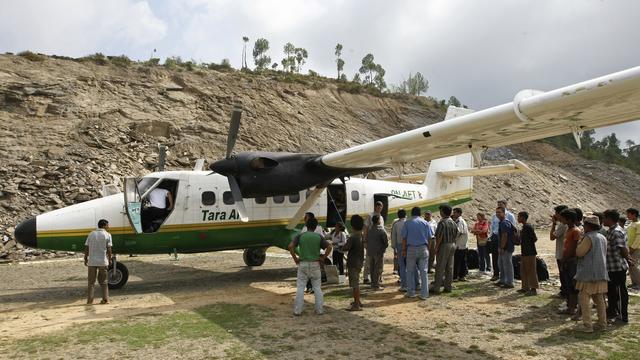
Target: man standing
{"points": [[415, 247], [308, 262], [557, 233], [617, 265], [396, 243], [97, 257], [633, 242], [528, 273], [432, 242], [505, 249], [460, 258], [493, 243], [568, 262], [377, 243], [368, 224], [355, 258], [446, 234]]}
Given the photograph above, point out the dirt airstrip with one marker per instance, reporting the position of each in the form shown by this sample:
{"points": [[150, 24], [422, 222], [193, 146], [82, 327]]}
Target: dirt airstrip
{"points": [[212, 306]]}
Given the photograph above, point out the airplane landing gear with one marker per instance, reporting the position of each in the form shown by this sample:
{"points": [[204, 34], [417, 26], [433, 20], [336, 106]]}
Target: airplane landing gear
{"points": [[117, 277], [254, 256]]}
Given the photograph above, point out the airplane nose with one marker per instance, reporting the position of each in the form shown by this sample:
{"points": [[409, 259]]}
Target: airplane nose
{"points": [[26, 233]]}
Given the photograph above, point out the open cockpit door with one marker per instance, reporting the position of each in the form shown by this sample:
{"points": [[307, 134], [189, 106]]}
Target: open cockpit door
{"points": [[133, 203]]}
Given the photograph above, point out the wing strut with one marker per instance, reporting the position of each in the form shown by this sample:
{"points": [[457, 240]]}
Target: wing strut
{"points": [[311, 199], [577, 135]]}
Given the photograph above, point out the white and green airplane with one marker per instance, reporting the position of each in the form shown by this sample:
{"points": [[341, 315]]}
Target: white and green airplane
{"points": [[255, 200]]}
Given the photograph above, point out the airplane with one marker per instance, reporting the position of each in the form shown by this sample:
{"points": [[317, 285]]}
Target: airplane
{"points": [[255, 200]]}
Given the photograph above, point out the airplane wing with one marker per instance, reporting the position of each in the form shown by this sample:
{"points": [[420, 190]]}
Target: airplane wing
{"points": [[607, 100]]}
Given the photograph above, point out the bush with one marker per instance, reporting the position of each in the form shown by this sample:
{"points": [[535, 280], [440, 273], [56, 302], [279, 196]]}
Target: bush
{"points": [[31, 56], [224, 65], [313, 73], [189, 65], [172, 62], [152, 62], [97, 58], [122, 60]]}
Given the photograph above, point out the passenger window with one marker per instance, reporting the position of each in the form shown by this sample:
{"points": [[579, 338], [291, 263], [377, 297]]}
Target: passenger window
{"points": [[227, 198], [355, 195], [294, 198], [278, 199], [208, 198], [261, 200]]}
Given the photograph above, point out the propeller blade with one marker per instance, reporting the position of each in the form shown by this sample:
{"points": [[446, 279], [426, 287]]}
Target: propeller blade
{"points": [[237, 198], [233, 129]]}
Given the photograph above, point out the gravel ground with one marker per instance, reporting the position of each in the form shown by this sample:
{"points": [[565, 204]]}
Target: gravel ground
{"points": [[212, 306]]}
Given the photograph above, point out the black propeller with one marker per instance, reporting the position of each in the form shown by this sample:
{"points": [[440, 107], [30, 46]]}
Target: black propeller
{"points": [[227, 167]]}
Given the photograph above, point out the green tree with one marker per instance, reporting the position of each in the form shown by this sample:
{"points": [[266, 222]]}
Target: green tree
{"points": [[356, 79], [260, 57], [245, 40], [343, 77], [289, 61], [367, 69], [274, 65], [454, 101], [339, 61], [378, 79], [301, 58]]}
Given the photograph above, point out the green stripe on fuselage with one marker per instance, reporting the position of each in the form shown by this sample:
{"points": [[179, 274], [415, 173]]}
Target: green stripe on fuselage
{"points": [[191, 241]]}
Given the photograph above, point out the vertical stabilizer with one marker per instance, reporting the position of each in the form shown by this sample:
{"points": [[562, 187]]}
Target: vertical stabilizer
{"points": [[445, 188]]}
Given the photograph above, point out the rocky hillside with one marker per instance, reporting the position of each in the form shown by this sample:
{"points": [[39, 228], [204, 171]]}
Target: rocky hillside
{"points": [[67, 127]]}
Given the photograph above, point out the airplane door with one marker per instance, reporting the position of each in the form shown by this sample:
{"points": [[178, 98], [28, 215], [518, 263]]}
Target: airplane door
{"points": [[133, 203], [385, 204]]}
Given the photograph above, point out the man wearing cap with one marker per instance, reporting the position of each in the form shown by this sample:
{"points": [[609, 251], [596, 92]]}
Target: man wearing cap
{"points": [[368, 224], [591, 273]]}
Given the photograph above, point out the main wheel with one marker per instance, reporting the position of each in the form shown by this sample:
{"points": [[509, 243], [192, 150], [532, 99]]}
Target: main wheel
{"points": [[254, 256], [118, 278]]}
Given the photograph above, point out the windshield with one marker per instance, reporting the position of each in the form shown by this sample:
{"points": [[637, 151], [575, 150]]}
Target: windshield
{"points": [[145, 183]]}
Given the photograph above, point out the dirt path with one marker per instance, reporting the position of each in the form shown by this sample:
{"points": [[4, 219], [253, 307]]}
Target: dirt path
{"points": [[212, 306]]}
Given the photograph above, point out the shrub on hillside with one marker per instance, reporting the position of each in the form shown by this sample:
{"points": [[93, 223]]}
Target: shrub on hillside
{"points": [[122, 60], [152, 62], [97, 58], [172, 62], [31, 56]]}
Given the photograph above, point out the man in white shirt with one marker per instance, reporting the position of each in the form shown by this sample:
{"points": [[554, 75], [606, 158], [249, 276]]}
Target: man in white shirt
{"points": [[97, 257], [494, 240], [460, 257], [158, 208]]}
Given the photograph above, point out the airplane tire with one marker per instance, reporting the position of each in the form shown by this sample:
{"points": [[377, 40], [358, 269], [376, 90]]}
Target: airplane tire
{"points": [[254, 256], [117, 280]]}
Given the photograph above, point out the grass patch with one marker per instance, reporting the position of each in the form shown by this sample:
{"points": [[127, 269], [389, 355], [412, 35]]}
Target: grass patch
{"points": [[339, 294], [122, 60], [218, 322]]}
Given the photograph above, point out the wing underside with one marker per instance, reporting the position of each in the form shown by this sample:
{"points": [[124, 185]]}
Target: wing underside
{"points": [[533, 115]]}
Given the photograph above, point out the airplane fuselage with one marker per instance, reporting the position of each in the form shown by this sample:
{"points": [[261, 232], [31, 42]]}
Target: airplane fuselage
{"points": [[204, 217]]}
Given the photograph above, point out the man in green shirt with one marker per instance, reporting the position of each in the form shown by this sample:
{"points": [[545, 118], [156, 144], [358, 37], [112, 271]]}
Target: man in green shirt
{"points": [[308, 259]]}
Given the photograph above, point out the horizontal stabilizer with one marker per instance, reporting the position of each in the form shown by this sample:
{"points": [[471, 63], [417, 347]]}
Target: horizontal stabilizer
{"points": [[514, 166]]}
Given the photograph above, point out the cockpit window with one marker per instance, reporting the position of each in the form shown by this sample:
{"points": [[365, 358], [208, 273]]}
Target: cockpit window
{"points": [[145, 183]]}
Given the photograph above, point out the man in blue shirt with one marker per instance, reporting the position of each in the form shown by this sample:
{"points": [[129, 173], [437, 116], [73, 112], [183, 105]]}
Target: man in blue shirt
{"points": [[416, 234], [506, 247], [494, 240]]}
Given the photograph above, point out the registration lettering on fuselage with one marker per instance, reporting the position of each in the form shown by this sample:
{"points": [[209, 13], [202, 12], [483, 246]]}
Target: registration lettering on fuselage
{"points": [[407, 194], [220, 215]]}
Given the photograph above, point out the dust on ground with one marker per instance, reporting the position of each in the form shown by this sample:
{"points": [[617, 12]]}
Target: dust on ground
{"points": [[212, 306]]}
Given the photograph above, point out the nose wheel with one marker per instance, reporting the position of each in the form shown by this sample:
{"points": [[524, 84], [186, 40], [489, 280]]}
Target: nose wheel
{"points": [[117, 277], [254, 256]]}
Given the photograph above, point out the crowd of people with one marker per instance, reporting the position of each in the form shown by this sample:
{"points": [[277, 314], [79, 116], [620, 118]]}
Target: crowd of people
{"points": [[594, 252]]}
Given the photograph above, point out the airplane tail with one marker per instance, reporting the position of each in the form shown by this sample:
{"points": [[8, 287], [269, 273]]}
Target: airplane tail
{"points": [[442, 187]]}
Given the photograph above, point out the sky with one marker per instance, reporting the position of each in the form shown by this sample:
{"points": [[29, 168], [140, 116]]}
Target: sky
{"points": [[481, 51]]}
